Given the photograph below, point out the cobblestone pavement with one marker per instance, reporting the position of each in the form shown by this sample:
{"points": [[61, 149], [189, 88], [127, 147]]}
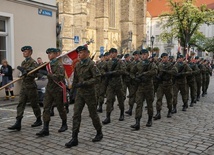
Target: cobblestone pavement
{"points": [[189, 132]]}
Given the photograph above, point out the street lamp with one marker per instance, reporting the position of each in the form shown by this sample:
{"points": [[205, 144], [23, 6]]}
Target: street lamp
{"points": [[152, 41]]}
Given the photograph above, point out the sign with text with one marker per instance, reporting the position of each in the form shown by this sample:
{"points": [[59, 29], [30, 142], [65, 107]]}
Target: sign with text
{"points": [[45, 12], [76, 39], [101, 49]]}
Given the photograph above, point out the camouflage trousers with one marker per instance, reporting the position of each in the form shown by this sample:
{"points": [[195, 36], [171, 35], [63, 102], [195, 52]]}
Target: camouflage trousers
{"points": [[102, 91], [192, 88], [132, 94], [183, 90], [144, 93], [53, 98], [26, 95], [198, 86], [166, 90], [111, 92], [80, 101], [207, 82], [203, 83]]}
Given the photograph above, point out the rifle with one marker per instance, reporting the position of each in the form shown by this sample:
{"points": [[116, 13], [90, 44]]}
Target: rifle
{"points": [[39, 67]]}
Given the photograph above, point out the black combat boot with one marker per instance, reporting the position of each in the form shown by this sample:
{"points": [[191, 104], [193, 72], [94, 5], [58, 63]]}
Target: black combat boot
{"points": [[16, 126], [203, 94], [149, 123], [129, 112], [98, 137], [121, 115], [191, 103], [52, 111], [158, 115], [64, 126], [169, 115], [100, 108], [37, 123], [44, 131], [136, 126], [107, 120], [185, 106], [198, 98], [73, 141], [174, 110]]}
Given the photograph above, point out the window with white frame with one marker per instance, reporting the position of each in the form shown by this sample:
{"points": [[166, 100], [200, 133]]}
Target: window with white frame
{"points": [[3, 39]]}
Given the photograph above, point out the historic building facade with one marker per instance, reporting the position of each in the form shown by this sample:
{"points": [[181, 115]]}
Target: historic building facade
{"points": [[110, 23]]}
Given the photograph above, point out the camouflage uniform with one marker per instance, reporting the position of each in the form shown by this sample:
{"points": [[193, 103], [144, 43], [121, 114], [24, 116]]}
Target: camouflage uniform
{"points": [[85, 73], [28, 90], [115, 68], [198, 79], [203, 84], [181, 85], [54, 93], [145, 71], [126, 78], [208, 74], [166, 71], [191, 82]]}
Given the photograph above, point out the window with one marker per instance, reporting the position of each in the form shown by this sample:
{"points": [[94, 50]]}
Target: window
{"points": [[112, 13], [3, 36], [7, 37]]}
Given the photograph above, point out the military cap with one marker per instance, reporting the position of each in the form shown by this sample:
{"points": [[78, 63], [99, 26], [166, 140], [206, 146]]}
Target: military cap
{"points": [[101, 55], [81, 48], [26, 48], [163, 55], [106, 54], [196, 57], [135, 52], [180, 56], [171, 57], [126, 55], [153, 55], [144, 51], [113, 50], [119, 56], [53, 50]]}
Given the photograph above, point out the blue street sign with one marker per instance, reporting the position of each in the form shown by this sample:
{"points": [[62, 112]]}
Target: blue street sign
{"points": [[76, 39], [101, 49], [45, 12]]}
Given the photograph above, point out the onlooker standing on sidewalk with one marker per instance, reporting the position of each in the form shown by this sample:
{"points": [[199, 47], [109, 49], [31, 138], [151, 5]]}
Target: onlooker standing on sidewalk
{"points": [[7, 76]]}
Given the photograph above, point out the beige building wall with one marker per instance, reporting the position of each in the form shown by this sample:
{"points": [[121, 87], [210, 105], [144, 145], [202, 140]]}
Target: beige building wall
{"points": [[110, 23], [27, 27]]}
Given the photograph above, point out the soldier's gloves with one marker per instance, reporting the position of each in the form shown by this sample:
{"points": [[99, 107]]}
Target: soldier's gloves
{"points": [[108, 73], [22, 70], [43, 72]]}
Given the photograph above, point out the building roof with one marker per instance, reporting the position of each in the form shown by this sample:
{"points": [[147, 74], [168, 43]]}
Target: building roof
{"points": [[157, 7]]}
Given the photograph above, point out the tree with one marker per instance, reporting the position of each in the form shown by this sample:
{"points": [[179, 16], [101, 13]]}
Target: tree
{"points": [[184, 20]]}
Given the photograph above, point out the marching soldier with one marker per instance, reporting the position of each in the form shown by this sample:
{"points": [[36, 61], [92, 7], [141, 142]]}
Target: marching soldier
{"points": [[198, 77], [115, 68], [203, 71], [166, 71], [145, 71], [133, 83], [208, 74], [181, 83], [85, 77], [28, 90], [55, 92]]}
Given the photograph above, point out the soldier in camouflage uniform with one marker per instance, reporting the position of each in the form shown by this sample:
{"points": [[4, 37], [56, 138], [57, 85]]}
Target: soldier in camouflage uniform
{"points": [[85, 77], [103, 83], [126, 77], [166, 71], [208, 74], [115, 68], [181, 83], [203, 71], [198, 77], [28, 90], [133, 83], [191, 81], [145, 71], [54, 92]]}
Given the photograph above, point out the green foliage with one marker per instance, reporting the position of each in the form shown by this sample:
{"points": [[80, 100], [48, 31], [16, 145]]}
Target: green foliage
{"points": [[184, 20], [156, 49]]}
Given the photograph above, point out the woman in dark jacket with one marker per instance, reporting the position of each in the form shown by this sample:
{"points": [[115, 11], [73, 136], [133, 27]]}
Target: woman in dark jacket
{"points": [[7, 76]]}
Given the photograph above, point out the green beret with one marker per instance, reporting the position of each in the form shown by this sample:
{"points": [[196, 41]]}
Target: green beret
{"points": [[197, 57], [144, 51], [82, 48], [106, 54], [126, 55], [101, 55], [113, 50], [26, 48], [163, 55], [171, 57], [54, 50], [135, 52], [180, 56]]}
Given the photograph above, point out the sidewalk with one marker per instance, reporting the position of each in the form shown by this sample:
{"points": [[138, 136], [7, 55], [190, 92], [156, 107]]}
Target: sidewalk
{"points": [[4, 103]]}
